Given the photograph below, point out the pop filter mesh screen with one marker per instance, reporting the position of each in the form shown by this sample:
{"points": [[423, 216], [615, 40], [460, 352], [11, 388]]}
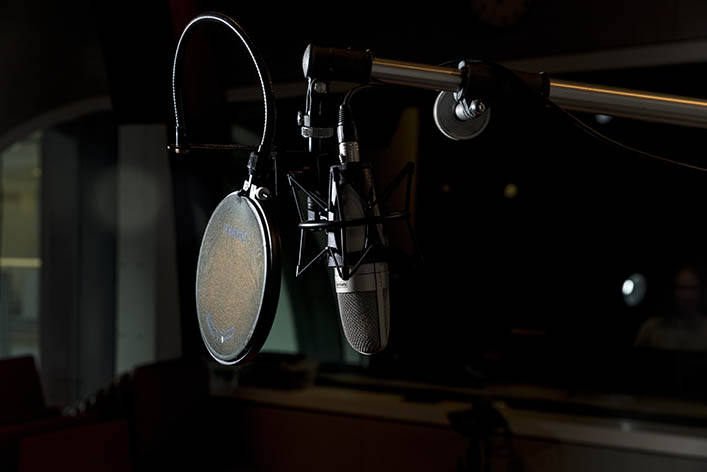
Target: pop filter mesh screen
{"points": [[231, 277]]}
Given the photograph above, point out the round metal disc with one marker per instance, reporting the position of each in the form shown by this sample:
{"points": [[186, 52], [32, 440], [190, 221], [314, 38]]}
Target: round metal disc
{"points": [[451, 126], [237, 280]]}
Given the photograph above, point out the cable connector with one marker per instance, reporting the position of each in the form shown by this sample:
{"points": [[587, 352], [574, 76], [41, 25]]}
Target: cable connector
{"points": [[347, 135]]}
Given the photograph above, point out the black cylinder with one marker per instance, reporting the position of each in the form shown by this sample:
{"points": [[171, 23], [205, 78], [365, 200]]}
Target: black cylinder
{"points": [[337, 64]]}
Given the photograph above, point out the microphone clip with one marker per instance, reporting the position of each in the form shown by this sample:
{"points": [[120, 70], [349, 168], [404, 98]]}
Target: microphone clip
{"points": [[308, 121], [335, 221]]}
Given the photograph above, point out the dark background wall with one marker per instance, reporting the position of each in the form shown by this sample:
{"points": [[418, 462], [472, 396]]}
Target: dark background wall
{"points": [[54, 56], [521, 290]]}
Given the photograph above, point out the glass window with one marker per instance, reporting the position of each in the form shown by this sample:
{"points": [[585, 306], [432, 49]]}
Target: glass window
{"points": [[20, 263]]}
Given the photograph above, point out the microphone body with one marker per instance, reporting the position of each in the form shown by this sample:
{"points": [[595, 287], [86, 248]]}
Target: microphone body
{"points": [[360, 269], [364, 307]]}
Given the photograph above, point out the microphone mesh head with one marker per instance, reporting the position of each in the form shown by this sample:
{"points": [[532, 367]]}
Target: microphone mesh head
{"points": [[360, 318]]}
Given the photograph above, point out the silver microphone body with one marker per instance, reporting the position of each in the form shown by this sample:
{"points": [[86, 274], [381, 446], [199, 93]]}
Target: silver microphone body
{"points": [[363, 296]]}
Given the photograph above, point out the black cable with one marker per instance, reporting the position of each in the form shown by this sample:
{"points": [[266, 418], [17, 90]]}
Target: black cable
{"points": [[349, 95], [588, 130], [607, 140], [346, 126]]}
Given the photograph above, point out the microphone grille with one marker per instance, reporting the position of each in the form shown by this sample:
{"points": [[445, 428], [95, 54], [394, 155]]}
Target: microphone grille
{"points": [[360, 319]]}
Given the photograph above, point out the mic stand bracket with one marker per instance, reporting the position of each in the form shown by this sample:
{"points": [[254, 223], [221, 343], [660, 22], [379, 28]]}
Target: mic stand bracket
{"points": [[490, 82], [309, 120]]}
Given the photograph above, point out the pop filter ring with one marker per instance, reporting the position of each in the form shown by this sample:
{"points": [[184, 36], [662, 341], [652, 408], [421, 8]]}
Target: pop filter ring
{"points": [[253, 200]]}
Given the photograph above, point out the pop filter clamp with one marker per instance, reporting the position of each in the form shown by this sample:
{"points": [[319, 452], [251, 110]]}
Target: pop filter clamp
{"points": [[238, 272]]}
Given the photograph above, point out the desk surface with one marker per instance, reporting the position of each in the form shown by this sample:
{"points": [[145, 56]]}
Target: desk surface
{"points": [[345, 396]]}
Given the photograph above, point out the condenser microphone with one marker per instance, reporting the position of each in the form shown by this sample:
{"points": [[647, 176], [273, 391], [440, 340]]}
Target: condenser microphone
{"points": [[357, 256]]}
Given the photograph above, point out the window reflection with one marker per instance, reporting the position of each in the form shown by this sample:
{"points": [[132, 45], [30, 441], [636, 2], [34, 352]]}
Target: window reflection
{"points": [[683, 326]]}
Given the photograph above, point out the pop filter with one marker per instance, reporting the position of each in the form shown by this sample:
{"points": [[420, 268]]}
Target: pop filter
{"points": [[238, 272], [237, 279]]}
